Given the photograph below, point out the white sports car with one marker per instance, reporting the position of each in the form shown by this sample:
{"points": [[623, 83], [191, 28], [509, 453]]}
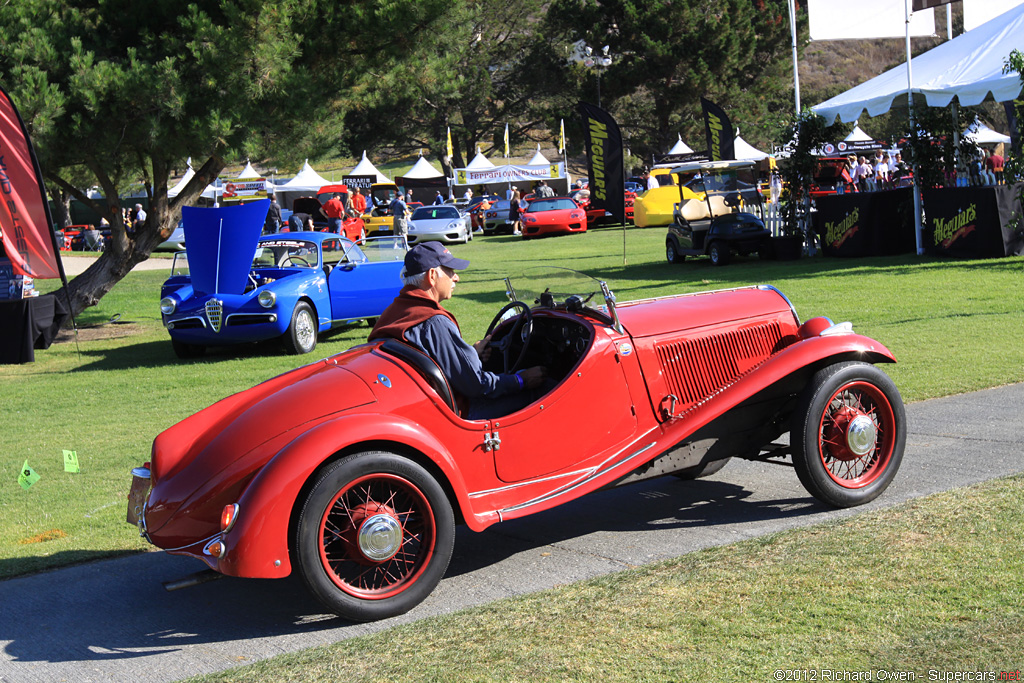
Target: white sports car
{"points": [[440, 223]]}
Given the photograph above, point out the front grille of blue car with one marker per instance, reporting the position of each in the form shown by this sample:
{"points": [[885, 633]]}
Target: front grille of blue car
{"points": [[214, 313]]}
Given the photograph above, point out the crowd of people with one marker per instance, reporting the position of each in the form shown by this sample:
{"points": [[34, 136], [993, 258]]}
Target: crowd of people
{"points": [[885, 171]]}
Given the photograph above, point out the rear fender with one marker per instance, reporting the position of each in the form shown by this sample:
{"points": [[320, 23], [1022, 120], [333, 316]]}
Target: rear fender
{"points": [[805, 354], [258, 543]]}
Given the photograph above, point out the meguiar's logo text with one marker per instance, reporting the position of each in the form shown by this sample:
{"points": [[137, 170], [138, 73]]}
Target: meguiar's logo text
{"points": [[838, 232], [715, 125], [949, 231], [598, 140]]}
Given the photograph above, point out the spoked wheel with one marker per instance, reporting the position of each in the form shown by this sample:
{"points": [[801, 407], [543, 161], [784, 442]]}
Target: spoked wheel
{"points": [[522, 326], [848, 434], [302, 333], [375, 536]]}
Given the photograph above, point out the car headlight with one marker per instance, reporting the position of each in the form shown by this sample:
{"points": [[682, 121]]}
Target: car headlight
{"points": [[455, 225], [267, 298], [168, 305]]}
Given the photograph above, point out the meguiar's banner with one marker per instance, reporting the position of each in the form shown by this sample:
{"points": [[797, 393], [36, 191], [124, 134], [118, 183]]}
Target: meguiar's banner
{"points": [[604, 161], [721, 138]]}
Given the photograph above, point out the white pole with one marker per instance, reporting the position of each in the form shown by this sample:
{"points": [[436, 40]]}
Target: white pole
{"points": [[913, 127], [949, 22], [796, 70]]}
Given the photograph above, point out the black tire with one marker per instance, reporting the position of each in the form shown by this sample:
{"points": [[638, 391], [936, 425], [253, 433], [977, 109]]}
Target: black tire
{"points": [[371, 321], [719, 253], [701, 471], [389, 536], [302, 332], [848, 434], [672, 252], [187, 351]]}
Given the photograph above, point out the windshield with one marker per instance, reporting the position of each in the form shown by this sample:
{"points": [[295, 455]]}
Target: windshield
{"points": [[428, 213], [562, 288], [556, 204], [275, 253]]}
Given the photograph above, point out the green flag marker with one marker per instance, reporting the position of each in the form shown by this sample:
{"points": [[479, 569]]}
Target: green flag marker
{"points": [[27, 477], [71, 461]]}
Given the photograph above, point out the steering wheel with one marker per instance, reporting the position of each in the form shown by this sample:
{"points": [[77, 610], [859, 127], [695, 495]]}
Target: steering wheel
{"points": [[522, 325], [295, 259]]}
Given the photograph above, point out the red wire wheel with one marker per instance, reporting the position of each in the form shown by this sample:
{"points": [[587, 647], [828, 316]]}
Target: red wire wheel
{"points": [[848, 434], [374, 535]]}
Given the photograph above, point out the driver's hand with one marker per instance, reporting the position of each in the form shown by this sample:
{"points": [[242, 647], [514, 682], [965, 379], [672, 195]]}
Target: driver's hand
{"points": [[483, 348], [533, 377]]}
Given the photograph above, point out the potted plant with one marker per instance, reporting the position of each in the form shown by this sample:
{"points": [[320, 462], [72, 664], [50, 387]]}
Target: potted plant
{"points": [[804, 134]]}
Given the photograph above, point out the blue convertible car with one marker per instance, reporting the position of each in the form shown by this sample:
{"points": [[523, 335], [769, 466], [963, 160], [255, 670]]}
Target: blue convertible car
{"points": [[290, 286]]}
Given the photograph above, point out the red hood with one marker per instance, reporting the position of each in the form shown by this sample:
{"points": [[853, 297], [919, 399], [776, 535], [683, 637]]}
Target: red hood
{"points": [[675, 314]]}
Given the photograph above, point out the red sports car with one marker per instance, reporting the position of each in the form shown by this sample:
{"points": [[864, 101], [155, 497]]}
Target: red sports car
{"points": [[553, 216], [353, 471]]}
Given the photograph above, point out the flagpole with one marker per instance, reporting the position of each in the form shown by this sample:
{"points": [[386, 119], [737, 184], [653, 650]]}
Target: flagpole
{"points": [[796, 70]]}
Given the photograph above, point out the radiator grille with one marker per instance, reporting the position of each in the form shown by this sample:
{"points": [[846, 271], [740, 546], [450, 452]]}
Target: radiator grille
{"points": [[214, 312], [695, 369]]}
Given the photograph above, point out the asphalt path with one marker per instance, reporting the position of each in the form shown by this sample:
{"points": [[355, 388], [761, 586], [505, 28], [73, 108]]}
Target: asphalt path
{"points": [[113, 621], [76, 265]]}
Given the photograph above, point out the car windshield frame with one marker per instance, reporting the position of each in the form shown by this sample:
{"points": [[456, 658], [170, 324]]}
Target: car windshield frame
{"points": [[281, 248], [552, 204]]}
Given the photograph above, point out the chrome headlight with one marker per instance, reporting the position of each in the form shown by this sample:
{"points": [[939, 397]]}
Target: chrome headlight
{"points": [[168, 305], [267, 298]]}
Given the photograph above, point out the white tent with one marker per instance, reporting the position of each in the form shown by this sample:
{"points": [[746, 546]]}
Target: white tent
{"points": [[180, 185], [969, 67], [680, 147], [249, 171], [366, 167], [306, 181], [538, 158], [857, 135], [422, 169], [983, 135], [479, 162], [745, 151]]}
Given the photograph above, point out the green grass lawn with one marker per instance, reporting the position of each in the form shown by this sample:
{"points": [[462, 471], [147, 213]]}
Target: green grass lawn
{"points": [[954, 326]]}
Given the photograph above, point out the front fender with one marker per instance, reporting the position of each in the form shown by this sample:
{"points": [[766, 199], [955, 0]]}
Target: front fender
{"points": [[258, 544]]}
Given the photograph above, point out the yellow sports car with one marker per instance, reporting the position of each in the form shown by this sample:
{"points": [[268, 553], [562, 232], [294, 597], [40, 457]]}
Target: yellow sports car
{"points": [[378, 220], [655, 206]]}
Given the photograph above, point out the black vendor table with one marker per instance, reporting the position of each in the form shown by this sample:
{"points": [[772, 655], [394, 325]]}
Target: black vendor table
{"points": [[973, 222], [29, 324], [867, 223]]}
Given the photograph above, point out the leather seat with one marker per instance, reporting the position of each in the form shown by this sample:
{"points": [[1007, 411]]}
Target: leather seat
{"points": [[426, 367]]}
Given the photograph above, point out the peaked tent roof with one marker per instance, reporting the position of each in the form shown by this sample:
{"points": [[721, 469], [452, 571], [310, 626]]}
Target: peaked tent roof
{"points": [[180, 185], [249, 171], [680, 147], [745, 151], [366, 167], [983, 135], [538, 158], [307, 180], [479, 162], [969, 67], [422, 169], [857, 135]]}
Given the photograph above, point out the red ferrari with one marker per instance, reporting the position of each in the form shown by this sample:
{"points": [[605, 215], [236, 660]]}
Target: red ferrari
{"points": [[553, 216], [353, 471]]}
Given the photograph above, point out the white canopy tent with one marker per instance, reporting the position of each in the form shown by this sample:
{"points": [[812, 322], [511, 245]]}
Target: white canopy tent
{"points": [[983, 135], [538, 158], [858, 135], [479, 162], [680, 147], [180, 185], [969, 67], [744, 150], [306, 183], [422, 169], [366, 167]]}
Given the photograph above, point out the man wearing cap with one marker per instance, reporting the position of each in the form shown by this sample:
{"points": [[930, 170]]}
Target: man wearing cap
{"points": [[416, 317]]}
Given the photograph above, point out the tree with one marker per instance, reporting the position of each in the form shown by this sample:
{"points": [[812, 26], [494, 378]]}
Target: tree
{"points": [[666, 55], [485, 67], [128, 90]]}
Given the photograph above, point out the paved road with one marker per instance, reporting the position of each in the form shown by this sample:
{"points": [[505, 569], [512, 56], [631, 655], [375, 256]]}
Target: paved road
{"points": [[112, 620], [76, 265]]}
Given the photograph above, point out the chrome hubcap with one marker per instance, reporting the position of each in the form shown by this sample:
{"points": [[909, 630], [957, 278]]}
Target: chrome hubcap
{"points": [[380, 537], [304, 329], [861, 435]]}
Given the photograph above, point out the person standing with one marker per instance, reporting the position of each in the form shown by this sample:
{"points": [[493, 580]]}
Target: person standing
{"points": [[438, 200], [544, 190], [140, 218], [997, 162], [273, 222], [333, 210], [881, 172], [399, 216], [359, 202], [513, 214]]}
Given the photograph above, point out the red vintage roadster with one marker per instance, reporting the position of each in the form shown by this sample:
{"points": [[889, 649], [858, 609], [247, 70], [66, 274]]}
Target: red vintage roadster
{"points": [[354, 470]]}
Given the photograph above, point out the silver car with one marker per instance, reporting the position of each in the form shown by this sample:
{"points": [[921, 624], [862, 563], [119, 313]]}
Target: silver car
{"points": [[439, 223], [496, 218]]}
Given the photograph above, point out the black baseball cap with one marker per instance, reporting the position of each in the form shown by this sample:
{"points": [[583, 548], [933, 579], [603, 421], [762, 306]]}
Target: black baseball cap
{"points": [[427, 255]]}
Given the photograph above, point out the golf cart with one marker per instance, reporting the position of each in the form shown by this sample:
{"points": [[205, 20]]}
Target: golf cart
{"points": [[727, 215]]}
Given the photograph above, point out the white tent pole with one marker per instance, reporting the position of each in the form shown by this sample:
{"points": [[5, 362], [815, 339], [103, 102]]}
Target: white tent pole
{"points": [[913, 128], [796, 70], [949, 21]]}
